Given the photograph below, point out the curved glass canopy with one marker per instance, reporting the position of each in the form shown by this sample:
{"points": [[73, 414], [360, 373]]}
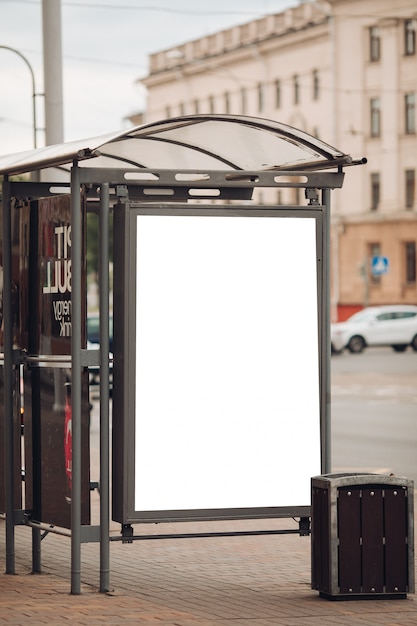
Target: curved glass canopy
{"points": [[198, 142]]}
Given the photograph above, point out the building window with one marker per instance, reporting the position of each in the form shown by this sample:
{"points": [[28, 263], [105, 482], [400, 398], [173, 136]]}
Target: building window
{"points": [[226, 103], [410, 261], [277, 94], [316, 85], [243, 100], [409, 37], [182, 108], [168, 112], [296, 85], [374, 249], [261, 97], [196, 107], [410, 188], [375, 191], [375, 117], [211, 104], [374, 44], [410, 113]]}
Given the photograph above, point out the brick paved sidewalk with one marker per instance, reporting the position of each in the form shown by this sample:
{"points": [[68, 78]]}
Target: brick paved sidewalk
{"points": [[245, 580]]}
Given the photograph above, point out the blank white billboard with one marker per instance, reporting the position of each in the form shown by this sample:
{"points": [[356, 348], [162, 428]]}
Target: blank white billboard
{"points": [[227, 406]]}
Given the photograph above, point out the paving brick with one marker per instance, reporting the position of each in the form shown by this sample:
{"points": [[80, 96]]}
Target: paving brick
{"points": [[217, 581]]}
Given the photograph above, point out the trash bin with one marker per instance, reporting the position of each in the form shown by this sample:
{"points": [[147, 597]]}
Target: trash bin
{"points": [[362, 536]]}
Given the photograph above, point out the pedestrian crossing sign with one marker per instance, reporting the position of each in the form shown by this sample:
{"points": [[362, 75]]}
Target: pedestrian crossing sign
{"points": [[379, 265]]}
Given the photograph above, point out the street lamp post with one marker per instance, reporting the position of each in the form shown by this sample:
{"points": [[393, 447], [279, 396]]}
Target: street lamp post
{"points": [[34, 94]]}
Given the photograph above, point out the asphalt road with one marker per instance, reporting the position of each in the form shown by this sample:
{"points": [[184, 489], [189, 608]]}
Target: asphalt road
{"points": [[374, 412]]}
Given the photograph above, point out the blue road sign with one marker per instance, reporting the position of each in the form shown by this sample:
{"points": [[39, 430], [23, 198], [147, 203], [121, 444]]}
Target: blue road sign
{"points": [[379, 265]]}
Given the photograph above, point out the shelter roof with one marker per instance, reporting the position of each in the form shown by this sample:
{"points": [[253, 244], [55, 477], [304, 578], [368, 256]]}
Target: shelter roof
{"points": [[198, 142]]}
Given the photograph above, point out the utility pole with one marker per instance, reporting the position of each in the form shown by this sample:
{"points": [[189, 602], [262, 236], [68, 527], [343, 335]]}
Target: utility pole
{"points": [[52, 63]]}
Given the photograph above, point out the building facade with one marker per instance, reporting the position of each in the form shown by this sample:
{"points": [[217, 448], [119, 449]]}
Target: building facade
{"points": [[341, 70]]}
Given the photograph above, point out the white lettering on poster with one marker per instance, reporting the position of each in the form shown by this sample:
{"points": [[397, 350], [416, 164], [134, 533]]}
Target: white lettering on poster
{"points": [[58, 271], [62, 314], [58, 279]]}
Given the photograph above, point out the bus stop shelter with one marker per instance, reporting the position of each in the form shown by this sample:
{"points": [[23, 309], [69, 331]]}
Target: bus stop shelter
{"points": [[193, 192]]}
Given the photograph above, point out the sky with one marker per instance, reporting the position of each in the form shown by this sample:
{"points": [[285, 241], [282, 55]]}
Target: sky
{"points": [[105, 50]]}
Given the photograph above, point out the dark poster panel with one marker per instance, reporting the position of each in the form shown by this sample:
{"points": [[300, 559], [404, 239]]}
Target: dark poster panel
{"points": [[45, 321], [17, 497], [45, 276], [48, 436], [16, 388]]}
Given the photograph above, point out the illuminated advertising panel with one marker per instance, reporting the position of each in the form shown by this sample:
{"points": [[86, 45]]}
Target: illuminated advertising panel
{"points": [[217, 363]]}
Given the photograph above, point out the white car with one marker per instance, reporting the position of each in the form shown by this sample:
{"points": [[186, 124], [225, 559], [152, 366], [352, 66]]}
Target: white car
{"points": [[94, 371], [390, 325], [93, 343]]}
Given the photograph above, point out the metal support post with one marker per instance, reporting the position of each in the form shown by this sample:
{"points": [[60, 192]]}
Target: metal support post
{"points": [[104, 388], [76, 251], [326, 341], [36, 551], [35, 380], [8, 377]]}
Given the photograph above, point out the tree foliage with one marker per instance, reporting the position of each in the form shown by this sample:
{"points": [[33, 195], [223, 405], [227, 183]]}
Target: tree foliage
{"points": [[92, 234]]}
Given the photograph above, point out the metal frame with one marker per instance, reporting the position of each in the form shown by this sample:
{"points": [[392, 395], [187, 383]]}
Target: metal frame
{"points": [[113, 184], [124, 369]]}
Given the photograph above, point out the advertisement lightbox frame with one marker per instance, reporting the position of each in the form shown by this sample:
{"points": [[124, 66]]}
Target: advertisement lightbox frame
{"points": [[298, 388]]}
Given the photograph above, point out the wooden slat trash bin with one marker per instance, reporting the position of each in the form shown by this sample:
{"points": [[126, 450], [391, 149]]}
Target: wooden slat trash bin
{"points": [[362, 541]]}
